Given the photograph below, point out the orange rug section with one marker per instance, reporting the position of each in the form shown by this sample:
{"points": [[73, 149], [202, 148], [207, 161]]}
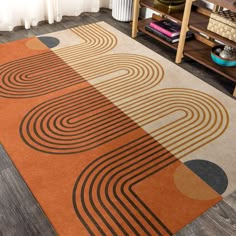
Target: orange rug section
{"points": [[21, 49], [91, 167]]}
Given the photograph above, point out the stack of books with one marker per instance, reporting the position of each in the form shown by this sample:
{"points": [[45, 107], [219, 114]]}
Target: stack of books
{"points": [[167, 30]]}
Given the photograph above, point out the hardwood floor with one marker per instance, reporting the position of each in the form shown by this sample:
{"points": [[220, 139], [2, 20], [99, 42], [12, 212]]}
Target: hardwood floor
{"points": [[21, 215], [220, 220]]}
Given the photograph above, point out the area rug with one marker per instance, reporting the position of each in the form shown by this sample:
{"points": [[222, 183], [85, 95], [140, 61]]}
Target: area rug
{"points": [[110, 137]]}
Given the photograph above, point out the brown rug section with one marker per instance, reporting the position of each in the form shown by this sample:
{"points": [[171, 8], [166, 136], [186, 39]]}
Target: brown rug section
{"points": [[93, 149]]}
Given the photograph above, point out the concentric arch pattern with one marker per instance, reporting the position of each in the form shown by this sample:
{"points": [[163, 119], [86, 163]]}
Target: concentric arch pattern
{"points": [[85, 119], [96, 41], [103, 195], [44, 73], [103, 150]]}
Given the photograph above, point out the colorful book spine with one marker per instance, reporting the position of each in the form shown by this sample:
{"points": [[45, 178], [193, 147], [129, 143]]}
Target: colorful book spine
{"points": [[164, 31], [174, 39], [161, 35]]}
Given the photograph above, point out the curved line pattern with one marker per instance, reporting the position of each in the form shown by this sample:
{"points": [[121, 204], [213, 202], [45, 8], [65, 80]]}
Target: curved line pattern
{"points": [[42, 74], [103, 195], [109, 179], [35, 76], [181, 136], [85, 119], [140, 73], [96, 41]]}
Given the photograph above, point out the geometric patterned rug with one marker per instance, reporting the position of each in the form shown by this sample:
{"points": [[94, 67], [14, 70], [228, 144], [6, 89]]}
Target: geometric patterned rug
{"points": [[110, 137]]}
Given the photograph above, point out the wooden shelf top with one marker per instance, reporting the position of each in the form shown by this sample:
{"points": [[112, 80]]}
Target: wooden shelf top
{"points": [[148, 3], [229, 4]]}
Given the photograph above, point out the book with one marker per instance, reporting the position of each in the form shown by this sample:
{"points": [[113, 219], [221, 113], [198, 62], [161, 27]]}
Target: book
{"points": [[167, 27], [174, 39]]}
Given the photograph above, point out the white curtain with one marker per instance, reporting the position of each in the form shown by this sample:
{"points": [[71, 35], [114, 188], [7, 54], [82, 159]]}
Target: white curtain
{"points": [[30, 12]]}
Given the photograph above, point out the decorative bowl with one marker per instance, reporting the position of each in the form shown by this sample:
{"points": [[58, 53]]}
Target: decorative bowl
{"points": [[218, 59]]}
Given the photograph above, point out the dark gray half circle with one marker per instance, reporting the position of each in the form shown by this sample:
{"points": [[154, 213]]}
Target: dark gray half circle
{"points": [[50, 42], [211, 173]]}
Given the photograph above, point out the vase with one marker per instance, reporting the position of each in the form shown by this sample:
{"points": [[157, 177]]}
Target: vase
{"points": [[122, 10]]}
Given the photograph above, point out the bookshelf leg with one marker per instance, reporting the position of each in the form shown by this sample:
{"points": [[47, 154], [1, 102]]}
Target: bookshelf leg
{"points": [[184, 29], [234, 93], [135, 18]]}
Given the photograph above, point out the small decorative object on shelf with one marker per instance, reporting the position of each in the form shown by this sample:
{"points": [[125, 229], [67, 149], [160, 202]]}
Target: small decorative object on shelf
{"points": [[223, 23], [228, 52], [224, 55], [170, 5]]}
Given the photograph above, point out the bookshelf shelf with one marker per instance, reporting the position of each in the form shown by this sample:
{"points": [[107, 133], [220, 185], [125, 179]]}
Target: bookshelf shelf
{"points": [[199, 22], [194, 17], [201, 53], [141, 28], [150, 4]]}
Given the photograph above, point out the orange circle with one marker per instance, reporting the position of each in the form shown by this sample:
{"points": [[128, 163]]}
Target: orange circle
{"points": [[192, 186], [35, 44]]}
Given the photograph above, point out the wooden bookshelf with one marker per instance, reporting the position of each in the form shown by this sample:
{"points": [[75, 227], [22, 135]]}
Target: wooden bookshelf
{"points": [[196, 19]]}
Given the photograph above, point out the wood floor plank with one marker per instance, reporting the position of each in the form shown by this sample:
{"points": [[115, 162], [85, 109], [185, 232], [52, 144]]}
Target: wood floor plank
{"points": [[231, 200], [220, 220]]}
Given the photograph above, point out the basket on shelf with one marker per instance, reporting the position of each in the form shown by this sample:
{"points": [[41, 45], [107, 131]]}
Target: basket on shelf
{"points": [[223, 23]]}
